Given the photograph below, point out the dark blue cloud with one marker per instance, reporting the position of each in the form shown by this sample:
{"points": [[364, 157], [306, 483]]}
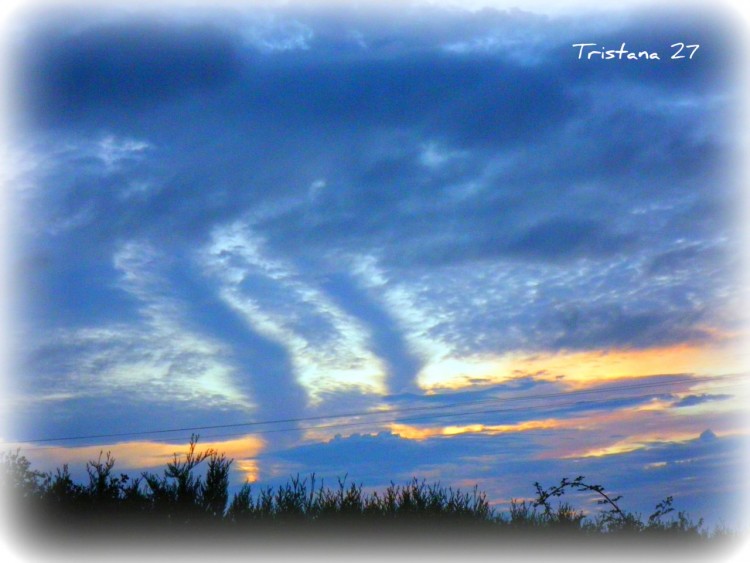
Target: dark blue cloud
{"points": [[673, 260], [406, 459], [561, 237], [263, 367], [692, 400], [122, 66], [611, 324], [67, 292], [388, 343], [537, 162], [643, 476]]}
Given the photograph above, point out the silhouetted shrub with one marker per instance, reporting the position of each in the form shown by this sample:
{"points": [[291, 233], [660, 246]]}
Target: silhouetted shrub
{"points": [[191, 493]]}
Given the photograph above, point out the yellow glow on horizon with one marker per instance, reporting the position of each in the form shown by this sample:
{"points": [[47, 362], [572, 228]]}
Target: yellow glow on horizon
{"points": [[582, 368], [465, 429], [653, 405], [249, 468], [631, 444], [416, 433], [455, 373], [413, 432], [144, 454], [637, 442], [586, 367]]}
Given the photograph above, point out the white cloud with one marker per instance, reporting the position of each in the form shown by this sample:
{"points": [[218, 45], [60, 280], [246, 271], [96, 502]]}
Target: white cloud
{"points": [[434, 155], [112, 150], [316, 188], [329, 349], [420, 319], [271, 34], [151, 359]]}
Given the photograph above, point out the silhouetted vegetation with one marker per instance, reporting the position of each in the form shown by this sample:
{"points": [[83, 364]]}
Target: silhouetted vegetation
{"points": [[193, 491]]}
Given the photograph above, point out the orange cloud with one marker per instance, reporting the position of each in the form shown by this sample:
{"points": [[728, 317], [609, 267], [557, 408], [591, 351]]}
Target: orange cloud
{"points": [[583, 368], [586, 367], [593, 434], [414, 432], [419, 433], [141, 454], [633, 443], [249, 468]]}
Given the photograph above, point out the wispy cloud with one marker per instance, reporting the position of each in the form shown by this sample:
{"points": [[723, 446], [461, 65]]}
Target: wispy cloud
{"points": [[328, 348]]}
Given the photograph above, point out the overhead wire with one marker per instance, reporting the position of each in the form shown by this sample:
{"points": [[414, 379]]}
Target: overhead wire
{"points": [[372, 415]]}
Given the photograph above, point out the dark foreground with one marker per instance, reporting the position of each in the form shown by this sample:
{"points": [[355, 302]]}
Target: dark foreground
{"points": [[187, 510]]}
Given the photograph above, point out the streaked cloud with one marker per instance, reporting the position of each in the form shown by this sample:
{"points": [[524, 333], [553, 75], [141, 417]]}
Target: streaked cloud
{"points": [[329, 348]]}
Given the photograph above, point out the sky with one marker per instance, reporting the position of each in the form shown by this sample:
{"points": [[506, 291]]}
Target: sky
{"points": [[429, 242]]}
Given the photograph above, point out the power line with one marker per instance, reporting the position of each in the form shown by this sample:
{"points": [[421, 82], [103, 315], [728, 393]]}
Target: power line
{"points": [[354, 414], [392, 411], [428, 417], [376, 413], [537, 432]]}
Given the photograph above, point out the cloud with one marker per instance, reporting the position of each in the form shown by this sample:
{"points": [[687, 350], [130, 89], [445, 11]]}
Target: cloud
{"points": [[327, 346], [149, 357], [639, 474], [562, 237], [387, 341], [692, 400], [283, 213], [271, 34], [131, 65]]}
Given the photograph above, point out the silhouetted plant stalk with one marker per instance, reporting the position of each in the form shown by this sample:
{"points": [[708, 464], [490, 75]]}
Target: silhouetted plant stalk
{"points": [[194, 490]]}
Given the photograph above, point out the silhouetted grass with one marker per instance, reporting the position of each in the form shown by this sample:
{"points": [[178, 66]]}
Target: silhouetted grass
{"points": [[193, 493]]}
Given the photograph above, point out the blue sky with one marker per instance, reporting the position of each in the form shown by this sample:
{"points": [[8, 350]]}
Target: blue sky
{"points": [[500, 263]]}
